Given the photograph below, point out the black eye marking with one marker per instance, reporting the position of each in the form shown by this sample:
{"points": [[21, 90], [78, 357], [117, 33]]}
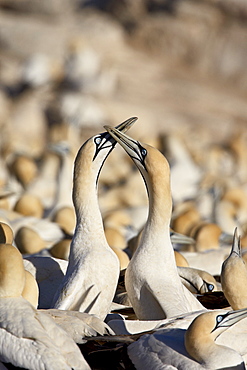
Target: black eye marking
{"points": [[144, 152], [210, 287], [219, 318], [103, 141], [97, 140]]}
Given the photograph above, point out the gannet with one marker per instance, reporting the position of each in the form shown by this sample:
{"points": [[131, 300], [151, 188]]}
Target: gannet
{"points": [[29, 205], [29, 338], [197, 281], [234, 276], [200, 340], [6, 233], [49, 231], [24, 168], [77, 325], [93, 270], [195, 347], [28, 241], [152, 281], [207, 236], [65, 218]]}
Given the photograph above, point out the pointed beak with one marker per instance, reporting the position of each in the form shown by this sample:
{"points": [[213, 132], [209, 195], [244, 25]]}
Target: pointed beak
{"points": [[130, 145], [126, 125], [108, 141], [233, 317], [122, 127], [236, 244]]}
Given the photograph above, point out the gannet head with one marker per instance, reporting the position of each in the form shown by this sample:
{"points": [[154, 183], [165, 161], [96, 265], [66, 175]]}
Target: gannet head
{"points": [[149, 160], [95, 150], [91, 157], [12, 273], [206, 327]]}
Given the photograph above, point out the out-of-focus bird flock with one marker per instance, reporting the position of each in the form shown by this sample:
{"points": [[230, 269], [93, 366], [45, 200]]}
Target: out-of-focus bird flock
{"points": [[68, 68]]}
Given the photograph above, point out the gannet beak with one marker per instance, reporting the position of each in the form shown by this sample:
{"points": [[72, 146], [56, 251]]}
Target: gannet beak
{"points": [[236, 247], [178, 238], [126, 125], [122, 127], [105, 140], [131, 146], [230, 318]]}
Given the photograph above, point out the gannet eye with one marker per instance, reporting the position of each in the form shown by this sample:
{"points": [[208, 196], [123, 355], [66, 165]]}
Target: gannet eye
{"points": [[219, 319], [143, 152], [210, 287], [97, 140]]}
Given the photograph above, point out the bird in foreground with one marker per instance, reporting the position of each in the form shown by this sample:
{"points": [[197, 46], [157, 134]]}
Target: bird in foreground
{"points": [[77, 325], [91, 278], [192, 349], [234, 276], [29, 338], [152, 281]]}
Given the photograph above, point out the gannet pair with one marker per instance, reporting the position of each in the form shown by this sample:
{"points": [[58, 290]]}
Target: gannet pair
{"points": [[93, 269], [152, 281]]}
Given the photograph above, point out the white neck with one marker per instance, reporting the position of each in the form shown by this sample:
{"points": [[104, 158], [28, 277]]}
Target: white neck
{"points": [[156, 242], [156, 233], [89, 224]]}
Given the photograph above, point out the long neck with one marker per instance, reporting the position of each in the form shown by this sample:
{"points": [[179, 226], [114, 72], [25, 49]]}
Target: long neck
{"points": [[160, 203], [157, 229], [89, 225], [88, 216], [156, 242]]}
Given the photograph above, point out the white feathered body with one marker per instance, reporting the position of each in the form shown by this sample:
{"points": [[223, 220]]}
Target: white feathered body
{"points": [[31, 339]]}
